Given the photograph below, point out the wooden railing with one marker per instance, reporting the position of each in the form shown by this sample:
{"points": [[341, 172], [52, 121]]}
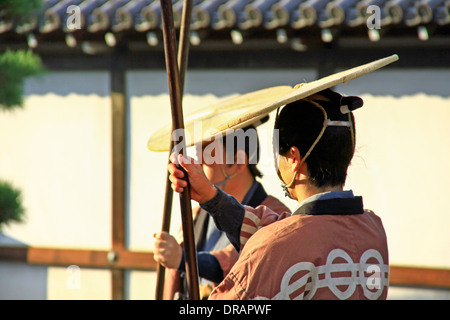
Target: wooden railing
{"points": [[125, 259]]}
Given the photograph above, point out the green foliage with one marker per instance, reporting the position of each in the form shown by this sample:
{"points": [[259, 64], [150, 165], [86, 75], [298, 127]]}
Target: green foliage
{"points": [[10, 204], [15, 66], [19, 7]]}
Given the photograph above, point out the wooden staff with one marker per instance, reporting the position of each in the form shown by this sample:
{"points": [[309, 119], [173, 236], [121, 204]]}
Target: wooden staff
{"points": [[167, 210], [183, 53], [178, 123], [183, 50]]}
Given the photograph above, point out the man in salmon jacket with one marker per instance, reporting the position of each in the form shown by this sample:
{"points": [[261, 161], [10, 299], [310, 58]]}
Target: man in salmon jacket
{"points": [[330, 247]]}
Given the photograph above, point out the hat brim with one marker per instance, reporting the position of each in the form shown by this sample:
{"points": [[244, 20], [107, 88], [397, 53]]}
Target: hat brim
{"points": [[243, 110], [201, 126]]}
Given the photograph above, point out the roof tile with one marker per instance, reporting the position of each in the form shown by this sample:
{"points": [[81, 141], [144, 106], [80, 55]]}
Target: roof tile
{"points": [[137, 16]]}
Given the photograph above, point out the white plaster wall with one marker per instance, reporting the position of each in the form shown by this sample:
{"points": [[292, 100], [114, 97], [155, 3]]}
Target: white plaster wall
{"points": [[56, 149], [401, 164]]}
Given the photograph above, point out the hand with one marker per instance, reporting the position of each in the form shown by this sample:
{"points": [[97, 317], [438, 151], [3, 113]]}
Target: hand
{"points": [[202, 190], [167, 250]]}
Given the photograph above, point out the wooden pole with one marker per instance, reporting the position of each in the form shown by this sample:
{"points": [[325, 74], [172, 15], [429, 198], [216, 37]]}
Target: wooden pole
{"points": [[167, 210], [178, 123], [183, 50], [183, 54], [118, 101]]}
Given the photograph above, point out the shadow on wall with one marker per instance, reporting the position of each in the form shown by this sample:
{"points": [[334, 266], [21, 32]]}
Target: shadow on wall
{"points": [[152, 83], [398, 83], [223, 83]]}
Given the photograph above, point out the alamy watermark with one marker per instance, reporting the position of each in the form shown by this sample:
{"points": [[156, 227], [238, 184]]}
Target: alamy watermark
{"points": [[374, 17], [222, 148], [73, 21], [374, 280], [73, 281]]}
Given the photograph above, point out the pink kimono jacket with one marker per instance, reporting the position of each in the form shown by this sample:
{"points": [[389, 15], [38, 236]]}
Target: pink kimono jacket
{"points": [[330, 249]]}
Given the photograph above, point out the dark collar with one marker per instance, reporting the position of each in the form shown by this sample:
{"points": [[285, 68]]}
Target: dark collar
{"points": [[255, 195], [345, 206]]}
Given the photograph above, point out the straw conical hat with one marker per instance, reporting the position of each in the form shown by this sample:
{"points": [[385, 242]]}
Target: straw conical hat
{"points": [[241, 111], [213, 116]]}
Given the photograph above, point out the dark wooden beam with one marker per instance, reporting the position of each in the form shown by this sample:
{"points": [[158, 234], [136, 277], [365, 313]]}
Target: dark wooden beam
{"points": [[118, 108], [422, 277], [119, 163], [122, 259], [399, 275], [253, 54]]}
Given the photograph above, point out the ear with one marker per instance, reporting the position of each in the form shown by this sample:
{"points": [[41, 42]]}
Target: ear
{"points": [[294, 157]]}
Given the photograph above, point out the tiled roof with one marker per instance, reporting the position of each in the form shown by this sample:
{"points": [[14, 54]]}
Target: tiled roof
{"points": [[229, 19]]}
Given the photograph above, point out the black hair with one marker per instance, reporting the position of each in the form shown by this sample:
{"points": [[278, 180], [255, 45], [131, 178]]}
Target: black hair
{"points": [[299, 124], [250, 147]]}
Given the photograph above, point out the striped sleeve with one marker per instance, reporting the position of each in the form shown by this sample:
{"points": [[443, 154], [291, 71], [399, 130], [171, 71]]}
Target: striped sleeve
{"points": [[256, 218], [237, 221]]}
